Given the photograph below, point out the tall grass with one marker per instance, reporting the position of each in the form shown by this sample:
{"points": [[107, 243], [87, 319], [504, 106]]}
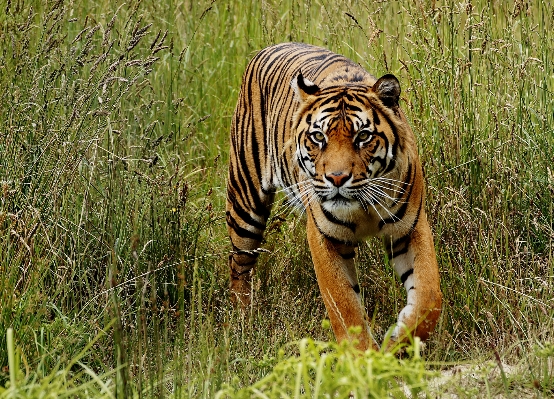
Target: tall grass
{"points": [[113, 146]]}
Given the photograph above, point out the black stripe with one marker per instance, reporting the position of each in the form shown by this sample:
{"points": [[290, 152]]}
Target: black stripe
{"points": [[302, 163], [334, 241], [390, 166], [330, 60], [357, 97], [382, 161], [376, 120], [351, 107], [269, 193], [333, 219], [235, 273], [361, 179], [243, 135], [241, 187], [240, 231], [417, 217], [255, 149], [405, 275], [394, 145], [404, 240], [400, 246], [328, 110], [237, 249], [399, 252], [251, 263], [326, 101], [245, 215], [356, 289], [350, 255]]}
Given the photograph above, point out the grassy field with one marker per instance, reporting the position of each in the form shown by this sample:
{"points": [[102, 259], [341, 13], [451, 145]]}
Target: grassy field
{"points": [[114, 121]]}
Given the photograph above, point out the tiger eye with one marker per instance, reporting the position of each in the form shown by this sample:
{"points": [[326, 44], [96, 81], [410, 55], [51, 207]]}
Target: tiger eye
{"points": [[363, 135], [318, 136]]}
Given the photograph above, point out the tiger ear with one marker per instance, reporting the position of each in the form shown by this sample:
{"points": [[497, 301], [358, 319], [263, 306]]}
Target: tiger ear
{"points": [[387, 89], [303, 88]]}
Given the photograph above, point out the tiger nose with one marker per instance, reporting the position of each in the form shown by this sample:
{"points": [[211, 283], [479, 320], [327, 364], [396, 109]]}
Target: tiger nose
{"points": [[337, 178]]}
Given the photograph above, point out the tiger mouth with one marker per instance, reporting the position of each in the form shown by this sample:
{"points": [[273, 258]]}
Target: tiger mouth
{"points": [[339, 200]]}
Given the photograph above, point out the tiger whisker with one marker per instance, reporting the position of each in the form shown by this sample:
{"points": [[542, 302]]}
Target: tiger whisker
{"points": [[391, 189], [390, 183], [372, 204], [292, 186], [302, 198], [362, 203], [401, 182], [376, 200], [306, 199], [382, 189], [311, 196], [378, 190], [293, 191], [294, 203]]}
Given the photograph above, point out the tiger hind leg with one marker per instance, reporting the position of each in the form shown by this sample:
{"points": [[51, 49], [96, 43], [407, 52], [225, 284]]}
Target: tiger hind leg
{"points": [[245, 225]]}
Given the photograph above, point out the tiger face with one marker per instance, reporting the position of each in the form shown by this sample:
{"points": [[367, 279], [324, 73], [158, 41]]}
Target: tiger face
{"points": [[347, 145]]}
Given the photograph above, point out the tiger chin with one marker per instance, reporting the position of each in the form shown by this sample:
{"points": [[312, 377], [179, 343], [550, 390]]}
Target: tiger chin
{"points": [[316, 125]]}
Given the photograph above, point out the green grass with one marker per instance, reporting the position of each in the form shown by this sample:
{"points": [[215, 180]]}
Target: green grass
{"points": [[338, 370], [114, 123]]}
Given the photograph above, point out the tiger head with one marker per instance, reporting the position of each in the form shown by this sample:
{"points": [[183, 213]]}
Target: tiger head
{"points": [[351, 142]]}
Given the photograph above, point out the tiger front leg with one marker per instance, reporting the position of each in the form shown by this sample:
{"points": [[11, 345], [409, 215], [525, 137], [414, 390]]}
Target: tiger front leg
{"points": [[414, 260], [336, 277]]}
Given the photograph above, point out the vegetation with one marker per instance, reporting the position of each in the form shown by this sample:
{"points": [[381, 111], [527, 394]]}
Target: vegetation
{"points": [[114, 120]]}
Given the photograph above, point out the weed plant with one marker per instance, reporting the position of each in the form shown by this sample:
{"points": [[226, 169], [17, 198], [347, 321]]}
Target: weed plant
{"points": [[114, 121]]}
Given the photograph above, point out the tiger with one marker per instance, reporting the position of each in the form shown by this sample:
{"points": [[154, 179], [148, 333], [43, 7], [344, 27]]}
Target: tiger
{"points": [[319, 127]]}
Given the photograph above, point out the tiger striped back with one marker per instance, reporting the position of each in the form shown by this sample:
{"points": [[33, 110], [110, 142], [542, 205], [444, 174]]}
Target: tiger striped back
{"points": [[333, 137]]}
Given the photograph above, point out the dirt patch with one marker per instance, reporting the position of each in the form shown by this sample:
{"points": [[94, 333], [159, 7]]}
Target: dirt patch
{"points": [[483, 380]]}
